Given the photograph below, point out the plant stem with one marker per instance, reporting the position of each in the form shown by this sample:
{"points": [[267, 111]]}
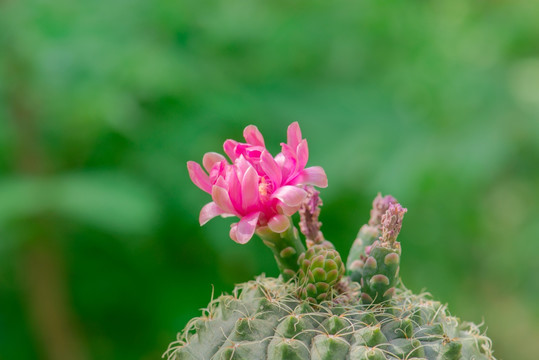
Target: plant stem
{"points": [[286, 247]]}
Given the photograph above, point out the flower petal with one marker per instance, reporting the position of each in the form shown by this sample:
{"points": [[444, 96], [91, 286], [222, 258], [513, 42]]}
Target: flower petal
{"points": [[198, 176], [230, 149], [219, 170], [279, 223], [221, 182], [234, 231], [302, 155], [280, 159], [287, 210], [210, 159], [234, 189], [288, 151], [271, 168], [241, 164], [290, 195], [253, 136], [222, 199], [293, 135], [246, 227], [287, 162], [249, 189], [208, 212], [314, 175]]}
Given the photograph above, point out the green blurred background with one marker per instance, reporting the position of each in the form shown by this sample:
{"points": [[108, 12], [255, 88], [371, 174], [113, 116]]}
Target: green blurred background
{"points": [[103, 102]]}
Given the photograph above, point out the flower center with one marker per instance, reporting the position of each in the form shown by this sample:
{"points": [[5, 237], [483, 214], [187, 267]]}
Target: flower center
{"points": [[265, 188]]}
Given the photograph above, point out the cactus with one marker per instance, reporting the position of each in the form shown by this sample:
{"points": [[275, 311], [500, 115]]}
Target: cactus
{"points": [[313, 310]]}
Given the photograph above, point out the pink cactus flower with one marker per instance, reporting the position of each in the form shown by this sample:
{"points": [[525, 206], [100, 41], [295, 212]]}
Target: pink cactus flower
{"points": [[260, 189]]}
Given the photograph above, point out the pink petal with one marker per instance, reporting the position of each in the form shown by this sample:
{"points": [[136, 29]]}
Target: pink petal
{"points": [[219, 170], [234, 232], [222, 199], [290, 195], [221, 182], [234, 189], [230, 149], [287, 210], [279, 223], [280, 159], [208, 212], [249, 189], [302, 155], [293, 135], [228, 177], [246, 228], [253, 136], [288, 151], [271, 168], [210, 159], [289, 163], [198, 176], [253, 153], [314, 175]]}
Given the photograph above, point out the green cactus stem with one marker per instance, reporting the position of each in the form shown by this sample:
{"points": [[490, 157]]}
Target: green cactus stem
{"points": [[380, 270], [286, 248], [356, 258], [367, 235], [321, 268]]}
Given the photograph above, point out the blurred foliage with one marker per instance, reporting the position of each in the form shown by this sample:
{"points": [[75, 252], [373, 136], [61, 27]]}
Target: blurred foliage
{"points": [[103, 102]]}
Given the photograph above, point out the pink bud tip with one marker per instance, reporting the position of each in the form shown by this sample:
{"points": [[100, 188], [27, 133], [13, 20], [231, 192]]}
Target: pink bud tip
{"points": [[379, 207], [392, 222]]}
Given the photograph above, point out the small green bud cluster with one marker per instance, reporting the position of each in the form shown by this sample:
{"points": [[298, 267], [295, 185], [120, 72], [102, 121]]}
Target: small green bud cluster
{"points": [[321, 268]]}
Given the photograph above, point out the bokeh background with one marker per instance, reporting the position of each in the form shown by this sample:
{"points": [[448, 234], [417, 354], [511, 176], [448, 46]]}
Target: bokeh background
{"points": [[103, 102]]}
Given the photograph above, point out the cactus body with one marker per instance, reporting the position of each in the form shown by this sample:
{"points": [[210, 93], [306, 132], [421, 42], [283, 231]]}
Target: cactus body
{"points": [[264, 320]]}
